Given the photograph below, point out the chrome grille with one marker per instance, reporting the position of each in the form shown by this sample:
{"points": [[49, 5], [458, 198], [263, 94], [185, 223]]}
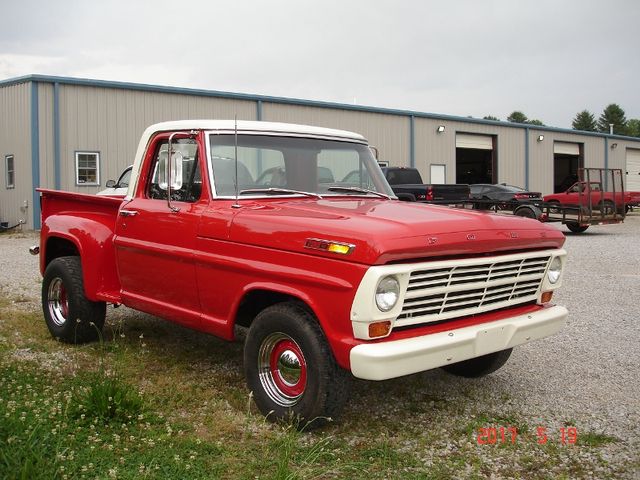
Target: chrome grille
{"points": [[461, 289]]}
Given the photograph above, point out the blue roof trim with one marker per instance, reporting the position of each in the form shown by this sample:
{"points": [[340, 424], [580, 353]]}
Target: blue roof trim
{"points": [[35, 154], [290, 101]]}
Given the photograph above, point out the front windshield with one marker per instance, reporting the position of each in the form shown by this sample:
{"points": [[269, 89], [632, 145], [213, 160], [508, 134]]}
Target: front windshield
{"points": [[292, 163]]}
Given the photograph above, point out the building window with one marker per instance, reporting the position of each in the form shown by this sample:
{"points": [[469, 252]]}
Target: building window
{"points": [[10, 170], [87, 168]]}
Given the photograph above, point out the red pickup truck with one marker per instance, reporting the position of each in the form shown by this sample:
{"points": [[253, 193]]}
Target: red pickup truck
{"points": [[593, 196], [332, 279]]}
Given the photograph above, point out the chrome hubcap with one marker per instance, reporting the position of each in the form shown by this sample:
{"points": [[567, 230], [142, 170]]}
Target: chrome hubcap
{"points": [[58, 302], [282, 369]]}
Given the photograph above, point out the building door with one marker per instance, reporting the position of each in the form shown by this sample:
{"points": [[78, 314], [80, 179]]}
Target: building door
{"points": [[632, 183], [475, 159], [438, 174], [567, 159]]}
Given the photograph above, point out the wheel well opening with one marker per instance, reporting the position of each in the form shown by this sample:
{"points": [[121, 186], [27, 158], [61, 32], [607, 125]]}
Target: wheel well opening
{"points": [[59, 247], [257, 300]]}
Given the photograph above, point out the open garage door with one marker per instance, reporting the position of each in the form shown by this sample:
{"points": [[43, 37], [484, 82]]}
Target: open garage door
{"points": [[475, 159], [632, 183], [567, 159]]}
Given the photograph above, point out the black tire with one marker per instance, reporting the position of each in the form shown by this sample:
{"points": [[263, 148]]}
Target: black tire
{"points": [[317, 387], [526, 212], [576, 227], [553, 206], [69, 315], [607, 207], [479, 366]]}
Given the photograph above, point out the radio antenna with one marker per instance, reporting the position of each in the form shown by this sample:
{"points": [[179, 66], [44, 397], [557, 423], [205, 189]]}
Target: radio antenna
{"points": [[235, 155]]}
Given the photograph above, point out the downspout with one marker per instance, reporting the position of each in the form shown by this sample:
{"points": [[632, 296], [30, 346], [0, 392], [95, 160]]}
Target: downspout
{"points": [[56, 136], [526, 158], [412, 141], [35, 155]]}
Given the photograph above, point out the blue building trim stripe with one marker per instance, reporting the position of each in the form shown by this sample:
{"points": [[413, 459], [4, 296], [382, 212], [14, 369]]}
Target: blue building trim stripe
{"points": [[606, 152], [56, 136], [35, 154], [290, 101], [526, 158], [412, 141]]}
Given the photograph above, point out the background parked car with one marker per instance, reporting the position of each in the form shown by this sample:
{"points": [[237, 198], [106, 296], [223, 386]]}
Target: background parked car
{"points": [[503, 192], [119, 188]]}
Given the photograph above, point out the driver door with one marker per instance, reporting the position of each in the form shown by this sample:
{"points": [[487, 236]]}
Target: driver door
{"points": [[155, 243]]}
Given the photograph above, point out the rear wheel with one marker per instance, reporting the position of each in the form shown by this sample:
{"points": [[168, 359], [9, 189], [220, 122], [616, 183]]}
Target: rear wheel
{"points": [[554, 204], [607, 207], [479, 366], [290, 368], [69, 315], [526, 212], [576, 227]]}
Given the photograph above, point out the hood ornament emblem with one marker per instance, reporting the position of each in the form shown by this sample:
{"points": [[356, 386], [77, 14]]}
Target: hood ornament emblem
{"points": [[471, 236], [514, 234], [432, 240]]}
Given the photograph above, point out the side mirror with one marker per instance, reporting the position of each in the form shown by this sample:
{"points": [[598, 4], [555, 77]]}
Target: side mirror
{"points": [[111, 184]]}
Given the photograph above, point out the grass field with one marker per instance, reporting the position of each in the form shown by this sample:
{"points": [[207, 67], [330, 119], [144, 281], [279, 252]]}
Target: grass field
{"points": [[153, 400]]}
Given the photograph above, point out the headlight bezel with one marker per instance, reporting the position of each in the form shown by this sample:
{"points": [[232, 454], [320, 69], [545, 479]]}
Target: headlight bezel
{"points": [[554, 272], [392, 286]]}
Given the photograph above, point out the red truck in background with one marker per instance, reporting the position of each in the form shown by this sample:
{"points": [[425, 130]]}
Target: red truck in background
{"points": [[333, 280]]}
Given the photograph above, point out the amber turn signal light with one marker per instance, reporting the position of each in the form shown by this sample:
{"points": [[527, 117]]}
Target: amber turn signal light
{"points": [[379, 329], [546, 297]]}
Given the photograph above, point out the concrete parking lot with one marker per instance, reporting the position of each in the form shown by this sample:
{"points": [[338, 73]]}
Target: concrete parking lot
{"points": [[586, 376]]}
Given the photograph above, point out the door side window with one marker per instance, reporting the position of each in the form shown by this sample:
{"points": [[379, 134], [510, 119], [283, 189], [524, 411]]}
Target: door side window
{"points": [[186, 179]]}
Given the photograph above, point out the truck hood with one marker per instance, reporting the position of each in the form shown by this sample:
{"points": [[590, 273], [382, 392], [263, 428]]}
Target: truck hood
{"points": [[383, 231]]}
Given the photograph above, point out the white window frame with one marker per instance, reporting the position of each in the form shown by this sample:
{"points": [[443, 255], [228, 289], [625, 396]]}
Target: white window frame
{"points": [[88, 184], [13, 171]]}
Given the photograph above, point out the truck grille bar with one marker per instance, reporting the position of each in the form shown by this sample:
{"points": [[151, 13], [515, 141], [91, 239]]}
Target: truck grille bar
{"points": [[465, 289]]}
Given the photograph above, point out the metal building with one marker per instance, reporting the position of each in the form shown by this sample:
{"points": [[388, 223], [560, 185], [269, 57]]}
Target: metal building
{"points": [[75, 134]]}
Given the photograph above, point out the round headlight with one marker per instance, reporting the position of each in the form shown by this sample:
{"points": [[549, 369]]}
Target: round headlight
{"points": [[553, 274], [387, 293]]}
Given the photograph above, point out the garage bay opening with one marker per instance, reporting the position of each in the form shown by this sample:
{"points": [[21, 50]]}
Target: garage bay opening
{"points": [[476, 159]]}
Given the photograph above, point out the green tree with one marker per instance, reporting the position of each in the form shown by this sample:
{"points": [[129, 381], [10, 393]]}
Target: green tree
{"points": [[585, 121], [633, 127], [535, 121], [517, 117], [613, 114], [491, 117]]}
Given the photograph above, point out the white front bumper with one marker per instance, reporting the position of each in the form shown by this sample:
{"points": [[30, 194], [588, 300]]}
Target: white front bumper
{"points": [[380, 361]]}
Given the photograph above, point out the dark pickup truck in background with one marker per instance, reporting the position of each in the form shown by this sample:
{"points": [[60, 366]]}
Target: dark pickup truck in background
{"points": [[407, 184]]}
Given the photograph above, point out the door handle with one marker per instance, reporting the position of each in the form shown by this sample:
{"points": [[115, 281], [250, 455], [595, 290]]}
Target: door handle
{"points": [[128, 213]]}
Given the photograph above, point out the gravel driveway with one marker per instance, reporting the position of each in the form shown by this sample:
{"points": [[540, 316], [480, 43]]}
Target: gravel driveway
{"points": [[586, 376]]}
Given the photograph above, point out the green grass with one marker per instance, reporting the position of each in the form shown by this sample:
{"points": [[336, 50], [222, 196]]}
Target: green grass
{"points": [[153, 400], [595, 439]]}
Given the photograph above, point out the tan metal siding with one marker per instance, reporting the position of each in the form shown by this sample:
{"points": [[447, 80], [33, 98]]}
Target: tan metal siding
{"points": [[440, 148], [15, 139], [111, 121], [388, 133]]}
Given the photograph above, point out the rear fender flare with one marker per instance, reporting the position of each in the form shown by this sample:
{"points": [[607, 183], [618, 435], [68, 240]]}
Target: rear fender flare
{"points": [[92, 236]]}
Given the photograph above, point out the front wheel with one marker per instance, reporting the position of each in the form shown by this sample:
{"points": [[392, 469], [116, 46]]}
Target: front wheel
{"points": [[576, 227], [479, 366], [70, 316], [290, 368]]}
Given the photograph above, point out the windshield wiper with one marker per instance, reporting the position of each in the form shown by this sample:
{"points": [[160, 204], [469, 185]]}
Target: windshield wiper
{"points": [[276, 191], [358, 190]]}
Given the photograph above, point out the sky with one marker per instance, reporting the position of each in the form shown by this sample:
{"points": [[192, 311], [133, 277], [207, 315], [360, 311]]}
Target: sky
{"points": [[548, 59]]}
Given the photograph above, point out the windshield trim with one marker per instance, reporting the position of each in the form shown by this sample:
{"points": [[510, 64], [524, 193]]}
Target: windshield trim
{"points": [[212, 187]]}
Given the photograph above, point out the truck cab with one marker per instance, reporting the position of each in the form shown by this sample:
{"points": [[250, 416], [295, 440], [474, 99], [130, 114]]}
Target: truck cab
{"points": [[265, 226]]}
